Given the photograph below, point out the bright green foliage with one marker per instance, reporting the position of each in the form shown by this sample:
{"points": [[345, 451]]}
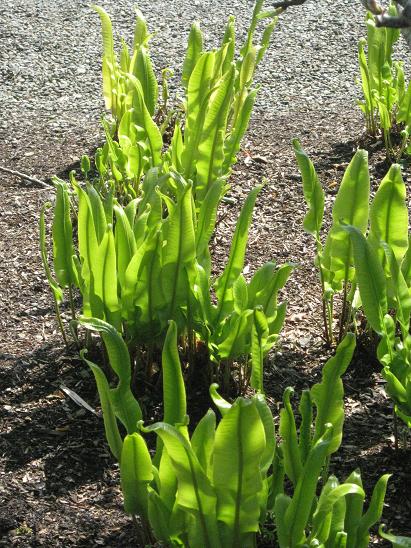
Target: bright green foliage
{"points": [[142, 254], [382, 273], [334, 257], [373, 270], [396, 541], [219, 98], [215, 489], [144, 264], [386, 104]]}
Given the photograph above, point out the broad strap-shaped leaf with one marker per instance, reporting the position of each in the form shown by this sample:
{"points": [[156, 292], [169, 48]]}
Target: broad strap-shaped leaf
{"points": [[282, 503], [99, 214], [207, 218], [134, 275], [404, 112], [233, 141], [328, 395], [398, 289], [259, 333], [370, 278], [289, 446], [305, 435], [233, 339], [211, 145], [142, 69], [238, 449], [299, 510], [108, 54], [109, 414], [374, 512], [406, 264], [135, 475], [263, 291], [125, 405], [229, 38], [240, 294], [198, 94], [152, 182], [87, 245], [141, 35], [313, 192], [326, 504], [354, 509], [124, 56], [202, 441], [389, 215], [179, 252], [265, 40], [266, 417], [365, 76], [350, 207], [376, 39], [195, 492], [177, 147], [62, 231], [159, 516], [104, 268], [142, 117], [125, 242], [174, 394], [224, 284], [193, 52]]}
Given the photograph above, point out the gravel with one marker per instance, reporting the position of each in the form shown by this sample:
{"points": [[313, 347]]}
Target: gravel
{"points": [[50, 65]]}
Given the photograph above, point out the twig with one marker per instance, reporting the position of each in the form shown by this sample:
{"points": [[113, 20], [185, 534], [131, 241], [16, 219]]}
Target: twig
{"points": [[27, 178], [288, 3]]}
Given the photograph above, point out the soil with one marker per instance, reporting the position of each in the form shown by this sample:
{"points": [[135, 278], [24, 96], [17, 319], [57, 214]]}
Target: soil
{"points": [[59, 485]]}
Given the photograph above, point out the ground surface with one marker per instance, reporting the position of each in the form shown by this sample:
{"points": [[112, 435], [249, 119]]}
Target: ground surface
{"points": [[58, 483]]}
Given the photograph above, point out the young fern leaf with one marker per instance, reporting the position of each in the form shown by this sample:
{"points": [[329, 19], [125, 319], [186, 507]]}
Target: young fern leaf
{"points": [[374, 512], [211, 144], [198, 94], [174, 394], [142, 69], [195, 492], [288, 431], [142, 117], [239, 446], [135, 473], [389, 215], [62, 231], [109, 60], [222, 405], [193, 52], [370, 278], [328, 395], [232, 142], [202, 441], [299, 510], [123, 402], [350, 207], [178, 253], [141, 35], [396, 541], [224, 284], [313, 193], [113, 436], [259, 335]]}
